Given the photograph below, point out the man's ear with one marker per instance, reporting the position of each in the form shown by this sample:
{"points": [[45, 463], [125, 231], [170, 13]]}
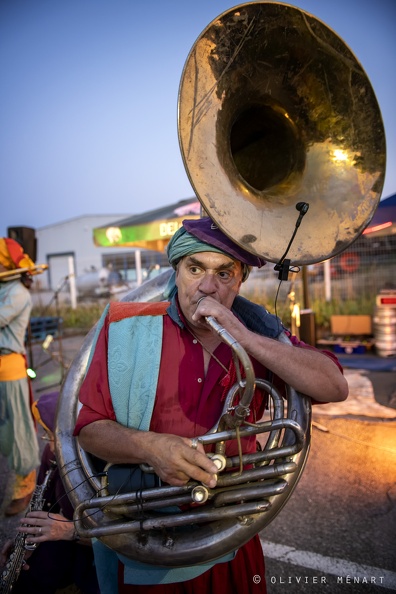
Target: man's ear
{"points": [[177, 272]]}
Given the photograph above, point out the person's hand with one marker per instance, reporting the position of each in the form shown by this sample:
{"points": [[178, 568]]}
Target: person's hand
{"points": [[175, 461], [209, 306], [6, 552], [43, 527]]}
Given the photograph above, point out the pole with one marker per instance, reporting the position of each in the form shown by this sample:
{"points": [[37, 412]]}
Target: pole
{"points": [[306, 299], [72, 283], [327, 280], [138, 266]]}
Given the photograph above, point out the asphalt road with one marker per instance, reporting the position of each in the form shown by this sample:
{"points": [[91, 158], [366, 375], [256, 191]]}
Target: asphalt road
{"points": [[337, 534], [342, 514]]}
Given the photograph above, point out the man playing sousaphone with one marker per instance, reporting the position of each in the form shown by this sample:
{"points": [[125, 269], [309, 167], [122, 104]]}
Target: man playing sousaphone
{"points": [[268, 113], [18, 440], [146, 404]]}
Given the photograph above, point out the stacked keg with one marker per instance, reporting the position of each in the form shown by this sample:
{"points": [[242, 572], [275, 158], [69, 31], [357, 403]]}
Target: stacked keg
{"points": [[384, 323]]}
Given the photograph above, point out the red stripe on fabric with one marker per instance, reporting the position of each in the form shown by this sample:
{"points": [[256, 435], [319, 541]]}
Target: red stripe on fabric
{"points": [[119, 310]]}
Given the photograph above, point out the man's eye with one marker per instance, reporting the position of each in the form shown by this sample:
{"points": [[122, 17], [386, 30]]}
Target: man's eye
{"points": [[224, 274], [194, 269]]}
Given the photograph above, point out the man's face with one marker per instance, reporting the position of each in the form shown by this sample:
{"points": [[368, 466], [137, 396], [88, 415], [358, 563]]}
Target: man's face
{"points": [[207, 274]]}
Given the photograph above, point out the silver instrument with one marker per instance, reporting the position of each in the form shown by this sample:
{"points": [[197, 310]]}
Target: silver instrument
{"points": [[16, 560]]}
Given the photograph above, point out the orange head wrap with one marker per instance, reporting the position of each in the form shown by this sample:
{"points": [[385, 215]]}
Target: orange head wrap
{"points": [[12, 255]]}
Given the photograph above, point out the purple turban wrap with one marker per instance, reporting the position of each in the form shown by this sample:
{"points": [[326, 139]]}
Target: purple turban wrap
{"points": [[203, 235]]}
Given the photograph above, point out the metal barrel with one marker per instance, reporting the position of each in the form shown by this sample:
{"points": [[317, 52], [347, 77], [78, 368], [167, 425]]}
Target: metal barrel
{"points": [[384, 325]]}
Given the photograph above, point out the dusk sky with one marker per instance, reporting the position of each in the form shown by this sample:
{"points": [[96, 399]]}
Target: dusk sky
{"points": [[88, 102]]}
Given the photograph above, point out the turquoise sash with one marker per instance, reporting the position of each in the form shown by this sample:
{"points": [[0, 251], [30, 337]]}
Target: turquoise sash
{"points": [[134, 357]]}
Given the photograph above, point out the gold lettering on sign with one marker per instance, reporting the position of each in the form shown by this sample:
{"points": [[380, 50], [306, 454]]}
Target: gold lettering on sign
{"points": [[167, 229]]}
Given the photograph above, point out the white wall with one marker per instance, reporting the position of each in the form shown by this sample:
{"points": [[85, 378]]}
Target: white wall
{"points": [[73, 238]]}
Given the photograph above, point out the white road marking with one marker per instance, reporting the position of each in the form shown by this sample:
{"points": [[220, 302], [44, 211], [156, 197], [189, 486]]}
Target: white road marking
{"points": [[346, 571]]}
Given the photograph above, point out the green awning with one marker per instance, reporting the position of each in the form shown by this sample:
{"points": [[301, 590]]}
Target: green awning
{"points": [[151, 230]]}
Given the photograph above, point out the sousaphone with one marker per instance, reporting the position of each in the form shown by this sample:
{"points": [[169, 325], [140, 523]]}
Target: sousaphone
{"points": [[274, 111]]}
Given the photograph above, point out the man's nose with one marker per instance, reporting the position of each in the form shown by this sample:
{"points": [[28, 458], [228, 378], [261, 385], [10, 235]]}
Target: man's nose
{"points": [[208, 284]]}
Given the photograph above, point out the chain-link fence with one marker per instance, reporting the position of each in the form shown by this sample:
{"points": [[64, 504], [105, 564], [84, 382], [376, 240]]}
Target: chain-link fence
{"points": [[360, 272], [347, 284]]}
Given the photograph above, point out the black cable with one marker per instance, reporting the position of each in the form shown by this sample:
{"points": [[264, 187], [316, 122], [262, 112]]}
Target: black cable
{"points": [[283, 266]]}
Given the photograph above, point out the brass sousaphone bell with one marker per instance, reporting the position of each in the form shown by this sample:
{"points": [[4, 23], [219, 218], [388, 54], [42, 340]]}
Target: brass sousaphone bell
{"points": [[274, 109]]}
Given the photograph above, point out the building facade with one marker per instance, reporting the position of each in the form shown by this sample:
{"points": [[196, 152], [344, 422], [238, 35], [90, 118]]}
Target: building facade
{"points": [[68, 248]]}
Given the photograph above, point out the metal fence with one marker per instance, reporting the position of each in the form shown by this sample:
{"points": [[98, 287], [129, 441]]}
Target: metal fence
{"points": [[346, 284], [360, 272]]}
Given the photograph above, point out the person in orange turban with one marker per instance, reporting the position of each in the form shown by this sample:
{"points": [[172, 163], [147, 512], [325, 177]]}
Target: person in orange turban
{"points": [[18, 439], [12, 255]]}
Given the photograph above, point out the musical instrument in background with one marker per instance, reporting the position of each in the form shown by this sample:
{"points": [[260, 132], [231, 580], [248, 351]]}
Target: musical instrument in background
{"points": [[15, 562], [18, 272]]}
